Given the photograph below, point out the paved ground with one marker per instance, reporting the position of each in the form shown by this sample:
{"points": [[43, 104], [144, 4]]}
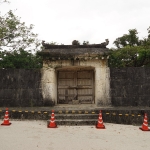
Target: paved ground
{"points": [[34, 135]]}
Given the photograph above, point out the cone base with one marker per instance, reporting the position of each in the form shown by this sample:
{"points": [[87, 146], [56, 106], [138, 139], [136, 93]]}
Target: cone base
{"points": [[51, 127], [3, 124], [100, 127], [144, 129]]}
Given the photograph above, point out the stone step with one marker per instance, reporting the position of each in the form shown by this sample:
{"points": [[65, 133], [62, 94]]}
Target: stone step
{"points": [[75, 122], [76, 116], [116, 115], [91, 119], [74, 111], [75, 119]]}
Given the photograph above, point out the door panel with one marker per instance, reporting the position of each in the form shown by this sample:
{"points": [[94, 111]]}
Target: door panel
{"points": [[84, 74], [66, 82], [84, 82], [75, 85]]}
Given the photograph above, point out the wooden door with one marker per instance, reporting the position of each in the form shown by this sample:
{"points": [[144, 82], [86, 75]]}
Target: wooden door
{"points": [[75, 85]]}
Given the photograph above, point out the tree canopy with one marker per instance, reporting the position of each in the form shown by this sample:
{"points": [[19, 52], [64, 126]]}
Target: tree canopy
{"points": [[20, 60], [15, 35], [132, 39], [18, 44], [138, 56], [131, 51]]}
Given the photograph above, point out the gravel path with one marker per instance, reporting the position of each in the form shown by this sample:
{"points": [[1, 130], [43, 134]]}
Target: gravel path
{"points": [[34, 135]]}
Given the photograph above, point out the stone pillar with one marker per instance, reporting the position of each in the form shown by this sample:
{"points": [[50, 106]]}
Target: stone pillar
{"points": [[49, 86], [102, 97], [107, 81]]}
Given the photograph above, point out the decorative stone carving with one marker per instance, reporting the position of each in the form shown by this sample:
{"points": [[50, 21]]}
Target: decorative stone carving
{"points": [[75, 44]]}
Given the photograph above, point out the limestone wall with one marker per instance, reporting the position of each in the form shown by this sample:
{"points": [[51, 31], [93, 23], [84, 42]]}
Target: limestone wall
{"points": [[26, 88], [130, 86], [20, 87]]}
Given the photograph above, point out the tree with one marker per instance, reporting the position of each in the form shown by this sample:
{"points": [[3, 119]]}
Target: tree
{"points": [[130, 39], [146, 41], [131, 51], [20, 60], [18, 44], [138, 56], [15, 35]]}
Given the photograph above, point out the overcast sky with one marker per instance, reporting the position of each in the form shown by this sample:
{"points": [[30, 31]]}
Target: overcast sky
{"points": [[63, 21]]}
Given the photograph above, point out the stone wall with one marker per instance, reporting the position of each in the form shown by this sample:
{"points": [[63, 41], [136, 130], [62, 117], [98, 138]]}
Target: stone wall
{"points": [[23, 88], [130, 86], [20, 88]]}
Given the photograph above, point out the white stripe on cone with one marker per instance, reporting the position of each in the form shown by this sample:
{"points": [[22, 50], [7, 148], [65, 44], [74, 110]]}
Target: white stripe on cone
{"points": [[52, 121], [145, 124], [100, 122]]}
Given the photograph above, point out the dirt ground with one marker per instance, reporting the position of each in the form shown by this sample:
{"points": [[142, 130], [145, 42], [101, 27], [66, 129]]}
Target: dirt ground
{"points": [[34, 135]]}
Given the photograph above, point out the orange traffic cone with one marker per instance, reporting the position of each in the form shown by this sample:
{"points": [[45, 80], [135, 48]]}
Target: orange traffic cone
{"points": [[99, 124], [145, 124], [6, 119], [52, 123]]}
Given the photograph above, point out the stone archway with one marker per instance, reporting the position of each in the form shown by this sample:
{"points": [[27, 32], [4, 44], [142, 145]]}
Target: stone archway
{"points": [[100, 79]]}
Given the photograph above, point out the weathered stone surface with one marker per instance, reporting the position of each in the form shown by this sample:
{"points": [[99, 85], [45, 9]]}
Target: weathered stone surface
{"points": [[130, 86], [23, 88], [73, 51], [80, 116], [20, 87]]}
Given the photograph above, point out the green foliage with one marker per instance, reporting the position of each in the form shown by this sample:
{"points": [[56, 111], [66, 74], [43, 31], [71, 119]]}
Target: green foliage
{"points": [[131, 51], [18, 44], [20, 60], [130, 39], [15, 35], [138, 56]]}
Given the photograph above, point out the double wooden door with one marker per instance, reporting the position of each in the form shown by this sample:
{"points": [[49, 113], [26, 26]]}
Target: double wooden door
{"points": [[75, 86]]}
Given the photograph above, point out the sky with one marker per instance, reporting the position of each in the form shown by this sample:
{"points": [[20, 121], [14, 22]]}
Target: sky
{"points": [[63, 21]]}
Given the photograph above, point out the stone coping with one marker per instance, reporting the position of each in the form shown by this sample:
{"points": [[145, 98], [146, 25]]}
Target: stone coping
{"points": [[49, 46], [74, 52]]}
